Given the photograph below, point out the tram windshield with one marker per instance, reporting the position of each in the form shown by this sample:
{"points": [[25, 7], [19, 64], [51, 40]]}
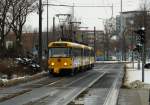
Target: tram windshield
{"points": [[59, 52]]}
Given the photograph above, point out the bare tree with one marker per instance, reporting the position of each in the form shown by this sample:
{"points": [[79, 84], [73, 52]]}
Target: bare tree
{"points": [[4, 24], [20, 9], [109, 26]]}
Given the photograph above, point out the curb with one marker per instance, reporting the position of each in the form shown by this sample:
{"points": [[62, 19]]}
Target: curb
{"points": [[22, 80]]}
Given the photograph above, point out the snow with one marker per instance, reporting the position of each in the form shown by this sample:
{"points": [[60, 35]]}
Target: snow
{"points": [[133, 73], [14, 81]]}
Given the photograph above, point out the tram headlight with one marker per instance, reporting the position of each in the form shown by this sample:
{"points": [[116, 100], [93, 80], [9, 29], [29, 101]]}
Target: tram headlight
{"points": [[52, 63], [65, 64]]}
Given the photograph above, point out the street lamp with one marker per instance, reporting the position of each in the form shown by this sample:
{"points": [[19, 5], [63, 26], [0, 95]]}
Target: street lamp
{"points": [[54, 26], [47, 52], [40, 31]]}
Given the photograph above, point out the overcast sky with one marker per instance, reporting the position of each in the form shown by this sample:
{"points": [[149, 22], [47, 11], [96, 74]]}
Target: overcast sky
{"points": [[88, 16]]}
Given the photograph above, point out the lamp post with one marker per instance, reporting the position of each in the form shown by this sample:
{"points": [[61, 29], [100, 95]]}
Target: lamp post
{"points": [[47, 52], [54, 26], [121, 31], [40, 31]]}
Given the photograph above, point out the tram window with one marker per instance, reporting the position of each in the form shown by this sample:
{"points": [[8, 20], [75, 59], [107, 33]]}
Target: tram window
{"points": [[86, 52], [59, 52], [76, 52], [80, 52]]}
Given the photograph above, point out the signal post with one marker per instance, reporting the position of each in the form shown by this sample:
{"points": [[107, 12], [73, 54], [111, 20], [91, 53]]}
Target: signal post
{"points": [[140, 47]]}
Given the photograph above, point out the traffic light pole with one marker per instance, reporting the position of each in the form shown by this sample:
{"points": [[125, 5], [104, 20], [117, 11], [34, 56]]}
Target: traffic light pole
{"points": [[141, 47], [143, 63], [143, 51], [94, 43]]}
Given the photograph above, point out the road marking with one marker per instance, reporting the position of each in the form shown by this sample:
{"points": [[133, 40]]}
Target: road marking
{"points": [[113, 92], [55, 82]]}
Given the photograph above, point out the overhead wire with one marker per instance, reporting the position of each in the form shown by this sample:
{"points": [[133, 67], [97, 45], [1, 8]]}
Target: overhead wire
{"points": [[63, 4], [103, 1]]}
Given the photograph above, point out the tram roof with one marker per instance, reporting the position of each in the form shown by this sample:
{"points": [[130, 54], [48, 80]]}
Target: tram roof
{"points": [[68, 44]]}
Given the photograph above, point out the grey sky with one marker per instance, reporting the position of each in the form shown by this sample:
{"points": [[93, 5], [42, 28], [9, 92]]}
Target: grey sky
{"points": [[88, 16]]}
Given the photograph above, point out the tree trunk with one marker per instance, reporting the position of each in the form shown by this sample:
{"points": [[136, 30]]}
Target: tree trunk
{"points": [[18, 42]]}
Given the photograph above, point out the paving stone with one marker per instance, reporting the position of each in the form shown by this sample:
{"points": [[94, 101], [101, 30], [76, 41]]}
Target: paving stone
{"points": [[133, 97]]}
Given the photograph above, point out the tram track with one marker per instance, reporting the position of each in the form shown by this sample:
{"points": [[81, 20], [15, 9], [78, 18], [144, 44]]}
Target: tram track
{"points": [[68, 92], [23, 88], [64, 90], [103, 92], [51, 87]]}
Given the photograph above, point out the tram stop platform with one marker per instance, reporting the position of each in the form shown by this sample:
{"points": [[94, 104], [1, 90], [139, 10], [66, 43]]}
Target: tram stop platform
{"points": [[133, 97]]}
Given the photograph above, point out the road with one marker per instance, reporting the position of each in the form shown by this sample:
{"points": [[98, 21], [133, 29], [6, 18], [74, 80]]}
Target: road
{"points": [[100, 82]]}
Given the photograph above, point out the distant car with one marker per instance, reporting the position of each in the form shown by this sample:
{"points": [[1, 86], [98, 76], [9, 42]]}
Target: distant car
{"points": [[147, 66], [27, 62], [35, 66], [24, 61], [19, 60]]}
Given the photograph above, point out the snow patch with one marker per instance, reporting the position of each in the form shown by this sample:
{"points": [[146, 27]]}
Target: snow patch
{"points": [[133, 77], [21, 79]]}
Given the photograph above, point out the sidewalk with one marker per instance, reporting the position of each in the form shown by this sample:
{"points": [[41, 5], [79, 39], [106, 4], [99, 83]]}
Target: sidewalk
{"points": [[133, 97], [135, 92]]}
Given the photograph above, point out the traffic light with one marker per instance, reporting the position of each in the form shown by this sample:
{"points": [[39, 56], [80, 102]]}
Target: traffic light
{"points": [[138, 48], [141, 35]]}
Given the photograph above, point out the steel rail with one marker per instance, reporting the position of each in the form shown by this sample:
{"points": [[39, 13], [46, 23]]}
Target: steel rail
{"points": [[85, 88], [112, 96]]}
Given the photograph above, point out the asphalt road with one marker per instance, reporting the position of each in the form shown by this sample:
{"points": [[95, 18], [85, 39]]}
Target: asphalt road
{"points": [[61, 90]]}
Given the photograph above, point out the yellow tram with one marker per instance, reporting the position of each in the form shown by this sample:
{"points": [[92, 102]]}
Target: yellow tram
{"points": [[69, 57]]}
